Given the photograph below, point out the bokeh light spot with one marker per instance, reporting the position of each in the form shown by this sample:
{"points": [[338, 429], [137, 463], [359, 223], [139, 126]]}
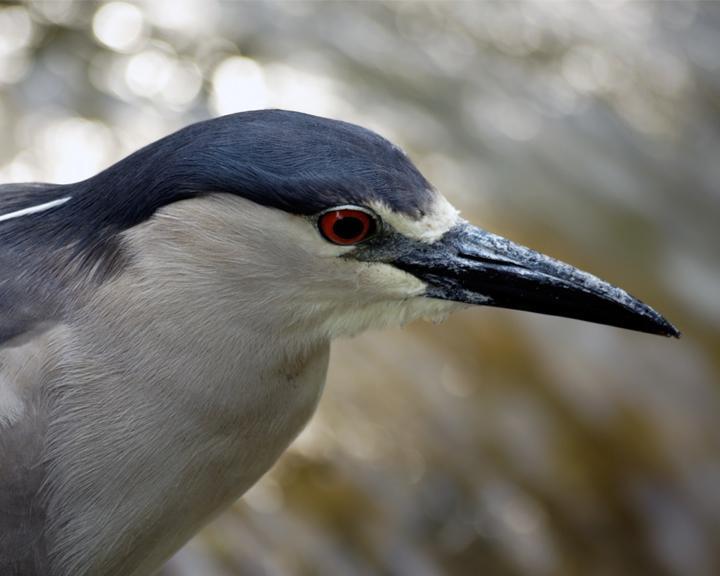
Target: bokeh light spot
{"points": [[16, 29], [238, 84], [148, 72], [74, 149], [119, 26]]}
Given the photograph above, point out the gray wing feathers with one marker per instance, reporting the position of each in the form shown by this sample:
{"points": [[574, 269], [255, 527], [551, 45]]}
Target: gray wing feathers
{"points": [[22, 518], [31, 299], [31, 294], [25, 306]]}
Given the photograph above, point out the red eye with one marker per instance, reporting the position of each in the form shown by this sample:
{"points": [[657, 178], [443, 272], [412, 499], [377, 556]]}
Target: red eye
{"points": [[346, 226]]}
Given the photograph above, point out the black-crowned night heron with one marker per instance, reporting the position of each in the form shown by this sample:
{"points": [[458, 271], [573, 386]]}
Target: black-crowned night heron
{"points": [[165, 325]]}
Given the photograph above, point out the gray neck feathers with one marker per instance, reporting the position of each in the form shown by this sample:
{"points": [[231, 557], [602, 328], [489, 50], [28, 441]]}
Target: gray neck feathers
{"points": [[175, 394]]}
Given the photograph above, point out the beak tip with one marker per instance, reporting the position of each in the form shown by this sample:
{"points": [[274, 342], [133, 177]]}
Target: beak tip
{"points": [[670, 331], [663, 327]]}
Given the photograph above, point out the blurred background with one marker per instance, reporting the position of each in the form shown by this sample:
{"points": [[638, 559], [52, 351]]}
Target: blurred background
{"points": [[498, 443]]}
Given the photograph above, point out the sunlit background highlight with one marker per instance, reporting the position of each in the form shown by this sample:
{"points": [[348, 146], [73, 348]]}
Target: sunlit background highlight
{"points": [[499, 443]]}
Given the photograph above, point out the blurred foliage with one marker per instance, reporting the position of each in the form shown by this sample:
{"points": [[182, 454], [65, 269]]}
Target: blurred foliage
{"points": [[498, 443]]}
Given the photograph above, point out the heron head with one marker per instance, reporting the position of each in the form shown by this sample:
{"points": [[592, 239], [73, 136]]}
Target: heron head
{"points": [[334, 225]]}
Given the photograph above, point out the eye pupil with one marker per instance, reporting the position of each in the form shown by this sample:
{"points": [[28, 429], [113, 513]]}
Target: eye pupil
{"points": [[346, 226], [349, 228]]}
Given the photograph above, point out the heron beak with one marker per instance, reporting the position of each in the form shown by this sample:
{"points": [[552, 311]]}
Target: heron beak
{"points": [[474, 266]]}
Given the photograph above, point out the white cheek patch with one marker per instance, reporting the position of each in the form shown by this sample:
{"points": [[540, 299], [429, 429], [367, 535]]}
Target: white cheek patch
{"points": [[440, 218], [390, 281]]}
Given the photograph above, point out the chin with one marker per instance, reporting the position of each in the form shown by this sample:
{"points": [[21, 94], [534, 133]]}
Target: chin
{"points": [[380, 315]]}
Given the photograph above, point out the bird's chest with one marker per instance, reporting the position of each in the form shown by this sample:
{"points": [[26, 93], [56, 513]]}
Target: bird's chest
{"points": [[239, 442], [238, 445], [263, 414], [187, 453]]}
